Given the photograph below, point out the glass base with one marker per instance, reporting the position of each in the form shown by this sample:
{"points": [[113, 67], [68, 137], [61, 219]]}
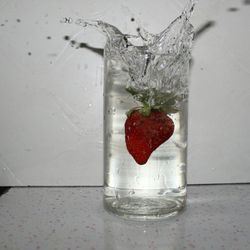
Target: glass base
{"points": [[145, 208]]}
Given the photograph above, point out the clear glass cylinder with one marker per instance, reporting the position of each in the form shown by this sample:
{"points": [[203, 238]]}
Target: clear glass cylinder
{"points": [[153, 190], [145, 119]]}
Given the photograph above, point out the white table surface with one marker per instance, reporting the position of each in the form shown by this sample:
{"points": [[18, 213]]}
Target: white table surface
{"points": [[216, 217]]}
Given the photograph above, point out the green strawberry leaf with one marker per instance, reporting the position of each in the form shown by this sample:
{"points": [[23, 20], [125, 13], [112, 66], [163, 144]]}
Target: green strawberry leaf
{"points": [[154, 99], [141, 96], [145, 111]]}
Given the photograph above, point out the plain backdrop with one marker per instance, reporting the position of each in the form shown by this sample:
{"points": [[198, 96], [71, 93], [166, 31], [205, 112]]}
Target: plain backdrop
{"points": [[51, 90]]}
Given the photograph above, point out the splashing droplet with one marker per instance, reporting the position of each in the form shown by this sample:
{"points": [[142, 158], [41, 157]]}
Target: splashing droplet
{"points": [[66, 38], [66, 20]]}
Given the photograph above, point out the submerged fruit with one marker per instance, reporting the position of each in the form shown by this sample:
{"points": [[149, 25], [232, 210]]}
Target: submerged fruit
{"points": [[145, 133]]}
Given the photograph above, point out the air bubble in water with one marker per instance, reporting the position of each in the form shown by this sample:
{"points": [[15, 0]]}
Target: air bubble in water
{"points": [[132, 192], [117, 194], [137, 179], [113, 110], [182, 167], [161, 192], [181, 145]]}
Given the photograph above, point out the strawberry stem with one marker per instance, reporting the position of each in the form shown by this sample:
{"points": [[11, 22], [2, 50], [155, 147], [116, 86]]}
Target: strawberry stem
{"points": [[145, 110], [153, 99]]}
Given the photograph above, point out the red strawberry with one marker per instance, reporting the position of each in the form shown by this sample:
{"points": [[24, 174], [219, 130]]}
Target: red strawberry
{"points": [[143, 134]]}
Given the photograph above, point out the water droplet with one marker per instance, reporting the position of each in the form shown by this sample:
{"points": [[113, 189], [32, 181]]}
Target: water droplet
{"points": [[81, 22], [66, 38], [232, 9], [72, 43], [90, 105], [66, 20]]}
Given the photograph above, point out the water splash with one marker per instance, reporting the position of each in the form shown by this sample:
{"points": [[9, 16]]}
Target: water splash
{"points": [[157, 65]]}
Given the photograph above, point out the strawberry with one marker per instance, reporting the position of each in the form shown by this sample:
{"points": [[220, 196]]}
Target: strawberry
{"points": [[144, 132]]}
